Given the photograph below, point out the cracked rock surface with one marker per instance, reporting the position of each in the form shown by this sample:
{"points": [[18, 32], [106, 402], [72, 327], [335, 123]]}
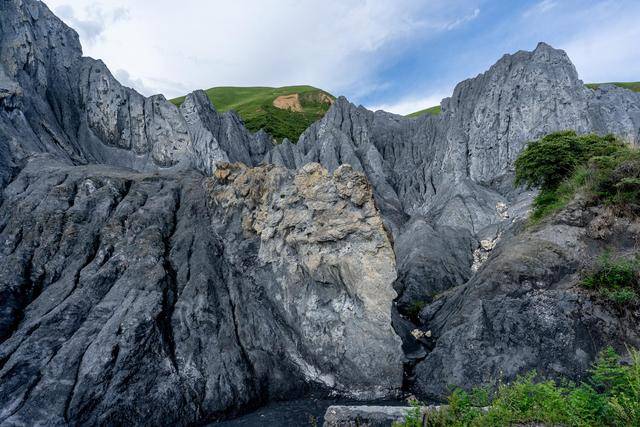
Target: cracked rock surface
{"points": [[525, 309], [162, 264], [151, 298]]}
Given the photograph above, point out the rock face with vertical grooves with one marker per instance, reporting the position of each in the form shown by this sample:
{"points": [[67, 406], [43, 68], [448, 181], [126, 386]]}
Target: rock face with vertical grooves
{"points": [[155, 298], [152, 270], [455, 167], [56, 101], [525, 309]]}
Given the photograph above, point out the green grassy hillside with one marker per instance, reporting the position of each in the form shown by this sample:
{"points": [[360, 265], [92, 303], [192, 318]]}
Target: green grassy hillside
{"points": [[634, 86], [433, 110], [283, 112]]}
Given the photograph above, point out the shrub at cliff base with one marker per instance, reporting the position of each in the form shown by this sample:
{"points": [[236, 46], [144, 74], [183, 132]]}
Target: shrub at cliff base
{"points": [[609, 397]]}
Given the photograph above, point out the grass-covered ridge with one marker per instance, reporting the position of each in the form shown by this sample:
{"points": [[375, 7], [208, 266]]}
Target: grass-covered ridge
{"points": [[434, 111], [634, 86], [610, 396], [601, 168], [283, 112]]}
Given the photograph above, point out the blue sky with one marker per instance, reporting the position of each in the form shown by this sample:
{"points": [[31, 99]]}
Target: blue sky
{"points": [[397, 55]]}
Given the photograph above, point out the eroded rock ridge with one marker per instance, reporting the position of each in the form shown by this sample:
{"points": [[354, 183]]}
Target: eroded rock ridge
{"points": [[162, 263]]}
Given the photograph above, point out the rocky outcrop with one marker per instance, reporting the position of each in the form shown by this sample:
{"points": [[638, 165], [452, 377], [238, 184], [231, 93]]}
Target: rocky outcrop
{"points": [[147, 276], [56, 101], [525, 310], [444, 183], [155, 298], [121, 127], [332, 267], [454, 168]]}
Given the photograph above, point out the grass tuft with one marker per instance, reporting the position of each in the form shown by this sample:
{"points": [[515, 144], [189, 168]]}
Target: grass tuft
{"points": [[617, 279]]}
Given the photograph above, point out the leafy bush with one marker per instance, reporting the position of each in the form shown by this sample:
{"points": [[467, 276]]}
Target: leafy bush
{"points": [[547, 162], [616, 279], [610, 397], [414, 416], [563, 163]]}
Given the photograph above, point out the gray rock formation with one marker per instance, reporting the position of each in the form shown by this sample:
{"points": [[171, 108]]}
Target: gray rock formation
{"points": [[525, 310], [431, 260], [133, 288], [55, 101], [455, 167], [371, 416], [174, 298], [444, 183]]}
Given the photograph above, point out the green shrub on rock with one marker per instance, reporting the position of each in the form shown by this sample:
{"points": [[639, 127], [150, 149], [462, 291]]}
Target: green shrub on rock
{"points": [[561, 164]]}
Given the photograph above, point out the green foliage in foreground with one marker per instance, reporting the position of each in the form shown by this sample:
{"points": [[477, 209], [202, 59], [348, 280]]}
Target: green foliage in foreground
{"points": [[634, 86], [562, 164], [434, 111], [255, 106], [609, 397], [617, 279]]}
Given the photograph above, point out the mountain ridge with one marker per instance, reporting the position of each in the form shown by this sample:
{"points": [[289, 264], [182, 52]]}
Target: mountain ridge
{"points": [[633, 86], [259, 108], [166, 265]]}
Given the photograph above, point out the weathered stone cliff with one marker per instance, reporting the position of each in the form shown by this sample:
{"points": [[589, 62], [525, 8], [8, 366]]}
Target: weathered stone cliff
{"points": [[525, 309], [455, 167], [156, 298], [151, 270], [53, 100]]}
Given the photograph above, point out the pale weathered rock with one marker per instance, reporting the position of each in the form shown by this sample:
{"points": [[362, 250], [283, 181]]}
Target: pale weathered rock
{"points": [[323, 241], [373, 416]]}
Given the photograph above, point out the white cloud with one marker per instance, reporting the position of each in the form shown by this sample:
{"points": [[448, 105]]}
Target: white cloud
{"points": [[92, 22], [412, 104], [608, 51], [540, 8], [463, 20], [173, 47]]}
